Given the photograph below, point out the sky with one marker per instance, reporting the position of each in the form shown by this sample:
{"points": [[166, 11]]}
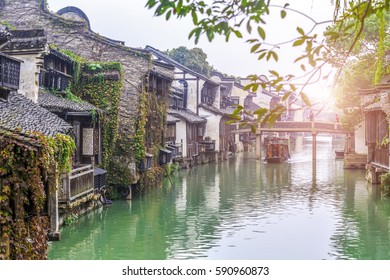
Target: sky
{"points": [[131, 22]]}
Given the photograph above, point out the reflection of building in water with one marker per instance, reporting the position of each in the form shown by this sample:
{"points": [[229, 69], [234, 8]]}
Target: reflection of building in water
{"points": [[278, 174], [362, 215], [296, 143]]}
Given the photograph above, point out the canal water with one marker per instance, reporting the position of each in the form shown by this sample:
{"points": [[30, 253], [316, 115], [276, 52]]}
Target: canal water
{"points": [[242, 209]]}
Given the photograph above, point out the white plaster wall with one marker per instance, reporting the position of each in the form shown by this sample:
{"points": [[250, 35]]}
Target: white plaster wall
{"points": [[236, 91], [29, 75], [181, 135], [299, 113], [212, 126], [261, 99], [360, 142], [216, 79], [217, 101], [192, 101]]}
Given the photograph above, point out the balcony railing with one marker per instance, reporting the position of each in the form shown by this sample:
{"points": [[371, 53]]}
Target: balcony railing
{"points": [[193, 149], [176, 149], [77, 183], [9, 72], [207, 146]]}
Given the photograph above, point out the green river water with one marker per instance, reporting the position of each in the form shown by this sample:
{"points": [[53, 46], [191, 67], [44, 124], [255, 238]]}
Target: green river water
{"points": [[242, 209]]}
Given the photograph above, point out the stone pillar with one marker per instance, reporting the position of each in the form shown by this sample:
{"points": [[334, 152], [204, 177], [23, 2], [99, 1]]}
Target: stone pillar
{"points": [[54, 234]]}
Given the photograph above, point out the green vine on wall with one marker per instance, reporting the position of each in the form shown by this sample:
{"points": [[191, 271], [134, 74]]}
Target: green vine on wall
{"points": [[123, 145], [138, 141], [101, 85], [150, 132], [27, 173]]}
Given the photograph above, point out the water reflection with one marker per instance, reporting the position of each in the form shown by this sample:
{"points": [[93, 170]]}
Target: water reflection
{"points": [[243, 209], [363, 231]]}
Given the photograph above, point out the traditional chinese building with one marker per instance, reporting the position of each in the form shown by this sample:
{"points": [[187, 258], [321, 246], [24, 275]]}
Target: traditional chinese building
{"points": [[376, 107], [69, 29]]}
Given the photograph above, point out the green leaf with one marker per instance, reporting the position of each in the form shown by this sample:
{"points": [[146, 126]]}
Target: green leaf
{"points": [[279, 87], [249, 27], [300, 31], [286, 96], [255, 87], [194, 17], [253, 128], [298, 42], [260, 112], [303, 67], [255, 47], [168, 15], [274, 55], [237, 110], [261, 32], [283, 13], [237, 33], [261, 56], [305, 99]]}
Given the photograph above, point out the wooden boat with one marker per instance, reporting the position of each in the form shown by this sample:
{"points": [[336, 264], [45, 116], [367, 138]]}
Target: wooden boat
{"points": [[277, 150]]}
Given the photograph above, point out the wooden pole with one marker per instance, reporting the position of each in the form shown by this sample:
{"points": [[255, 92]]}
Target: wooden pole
{"points": [[258, 146], [314, 146]]}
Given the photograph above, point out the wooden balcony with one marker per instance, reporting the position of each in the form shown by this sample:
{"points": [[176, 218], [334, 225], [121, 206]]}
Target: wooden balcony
{"points": [[207, 146], [176, 149], [77, 183], [9, 72], [193, 149]]}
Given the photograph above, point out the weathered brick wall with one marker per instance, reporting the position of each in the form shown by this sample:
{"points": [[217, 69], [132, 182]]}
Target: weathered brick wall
{"points": [[75, 36]]}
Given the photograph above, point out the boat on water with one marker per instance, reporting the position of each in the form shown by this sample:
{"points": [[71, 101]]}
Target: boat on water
{"points": [[277, 150]]}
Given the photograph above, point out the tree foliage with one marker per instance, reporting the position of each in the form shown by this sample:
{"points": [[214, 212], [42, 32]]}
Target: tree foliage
{"points": [[362, 68], [234, 17], [195, 59]]}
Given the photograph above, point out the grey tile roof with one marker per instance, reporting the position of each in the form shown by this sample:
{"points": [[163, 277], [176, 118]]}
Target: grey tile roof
{"points": [[4, 33], [57, 104], [228, 88], [213, 109], [26, 39], [186, 115], [253, 107], [164, 57], [24, 139], [21, 114], [171, 119]]}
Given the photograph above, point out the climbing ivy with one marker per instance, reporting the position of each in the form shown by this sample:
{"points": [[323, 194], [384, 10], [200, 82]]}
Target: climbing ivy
{"points": [[101, 85], [123, 145], [29, 169], [150, 136]]}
